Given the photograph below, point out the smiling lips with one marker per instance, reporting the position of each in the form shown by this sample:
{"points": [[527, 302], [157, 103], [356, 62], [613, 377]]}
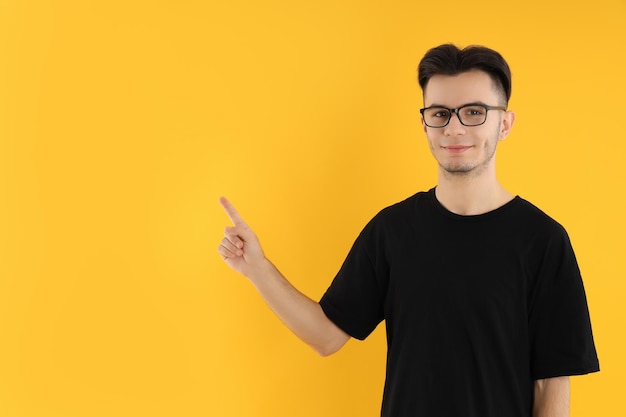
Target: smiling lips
{"points": [[456, 148]]}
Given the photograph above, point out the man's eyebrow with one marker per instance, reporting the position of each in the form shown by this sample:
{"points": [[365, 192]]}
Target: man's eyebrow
{"points": [[473, 103]]}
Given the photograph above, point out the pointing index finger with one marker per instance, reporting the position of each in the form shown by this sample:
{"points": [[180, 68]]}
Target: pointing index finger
{"points": [[233, 215]]}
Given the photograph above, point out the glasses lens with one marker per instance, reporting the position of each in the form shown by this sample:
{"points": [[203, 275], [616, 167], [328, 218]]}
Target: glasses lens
{"points": [[436, 116], [472, 115]]}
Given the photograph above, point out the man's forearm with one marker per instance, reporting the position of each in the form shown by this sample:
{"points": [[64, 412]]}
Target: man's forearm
{"points": [[241, 250], [551, 397], [301, 315]]}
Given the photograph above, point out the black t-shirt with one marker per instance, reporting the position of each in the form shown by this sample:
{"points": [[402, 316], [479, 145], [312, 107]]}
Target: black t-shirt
{"points": [[476, 307]]}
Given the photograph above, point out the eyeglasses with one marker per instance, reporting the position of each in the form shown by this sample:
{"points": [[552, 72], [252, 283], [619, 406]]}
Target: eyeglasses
{"points": [[468, 114]]}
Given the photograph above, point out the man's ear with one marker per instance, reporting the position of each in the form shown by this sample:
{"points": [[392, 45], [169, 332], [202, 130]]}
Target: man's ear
{"points": [[424, 127], [507, 124]]}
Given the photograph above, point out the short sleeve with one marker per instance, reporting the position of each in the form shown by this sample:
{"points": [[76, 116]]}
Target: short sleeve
{"points": [[355, 299], [561, 338]]}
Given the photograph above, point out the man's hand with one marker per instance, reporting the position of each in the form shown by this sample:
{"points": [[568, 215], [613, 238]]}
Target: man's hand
{"points": [[240, 247]]}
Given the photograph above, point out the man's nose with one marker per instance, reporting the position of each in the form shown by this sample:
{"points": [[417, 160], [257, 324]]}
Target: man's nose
{"points": [[454, 126]]}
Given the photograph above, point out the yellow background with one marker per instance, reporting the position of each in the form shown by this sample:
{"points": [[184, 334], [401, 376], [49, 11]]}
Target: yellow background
{"points": [[123, 121]]}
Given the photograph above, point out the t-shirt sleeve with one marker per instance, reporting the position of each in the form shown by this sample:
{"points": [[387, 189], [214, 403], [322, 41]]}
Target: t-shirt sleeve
{"points": [[561, 339], [355, 299]]}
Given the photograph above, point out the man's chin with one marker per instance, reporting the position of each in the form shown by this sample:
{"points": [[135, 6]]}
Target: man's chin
{"points": [[460, 170]]}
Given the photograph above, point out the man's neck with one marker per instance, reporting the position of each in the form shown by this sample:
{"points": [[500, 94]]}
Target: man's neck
{"points": [[470, 195]]}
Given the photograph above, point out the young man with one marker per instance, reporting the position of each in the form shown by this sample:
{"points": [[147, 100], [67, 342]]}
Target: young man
{"points": [[484, 305]]}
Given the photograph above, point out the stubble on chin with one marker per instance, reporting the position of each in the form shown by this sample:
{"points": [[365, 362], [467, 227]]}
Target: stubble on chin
{"points": [[457, 170], [469, 169], [472, 168]]}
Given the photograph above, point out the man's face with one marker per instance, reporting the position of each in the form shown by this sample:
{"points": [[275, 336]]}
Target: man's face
{"points": [[464, 150]]}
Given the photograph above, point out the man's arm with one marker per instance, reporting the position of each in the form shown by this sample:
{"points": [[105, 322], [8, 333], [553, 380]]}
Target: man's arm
{"points": [[551, 397], [241, 250]]}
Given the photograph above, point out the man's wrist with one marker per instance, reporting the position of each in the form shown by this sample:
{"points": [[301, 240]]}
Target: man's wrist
{"points": [[261, 271]]}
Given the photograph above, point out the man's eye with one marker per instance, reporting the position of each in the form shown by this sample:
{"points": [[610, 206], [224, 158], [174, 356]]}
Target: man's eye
{"points": [[474, 111], [441, 113]]}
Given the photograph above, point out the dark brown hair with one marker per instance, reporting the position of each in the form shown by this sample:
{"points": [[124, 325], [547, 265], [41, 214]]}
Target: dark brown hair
{"points": [[448, 59]]}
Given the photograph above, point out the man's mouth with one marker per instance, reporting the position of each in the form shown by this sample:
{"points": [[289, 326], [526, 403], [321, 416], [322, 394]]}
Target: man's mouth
{"points": [[456, 148]]}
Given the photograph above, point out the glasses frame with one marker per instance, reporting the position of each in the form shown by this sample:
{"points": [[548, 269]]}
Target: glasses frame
{"points": [[456, 111]]}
